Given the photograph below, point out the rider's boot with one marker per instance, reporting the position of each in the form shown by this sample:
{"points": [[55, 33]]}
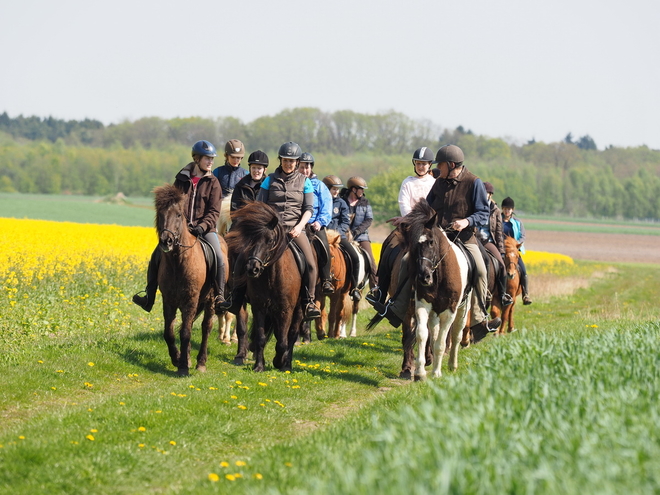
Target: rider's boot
{"points": [[147, 301], [525, 290], [220, 282], [506, 297], [311, 310], [327, 287]]}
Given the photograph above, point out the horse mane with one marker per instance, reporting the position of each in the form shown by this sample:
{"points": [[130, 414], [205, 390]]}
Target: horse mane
{"points": [[253, 223], [166, 196], [412, 226], [334, 238], [510, 244]]}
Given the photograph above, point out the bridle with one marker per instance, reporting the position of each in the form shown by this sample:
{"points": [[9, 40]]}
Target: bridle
{"points": [[269, 258], [177, 237]]}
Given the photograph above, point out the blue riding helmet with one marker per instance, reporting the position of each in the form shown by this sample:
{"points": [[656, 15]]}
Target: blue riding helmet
{"points": [[203, 148]]}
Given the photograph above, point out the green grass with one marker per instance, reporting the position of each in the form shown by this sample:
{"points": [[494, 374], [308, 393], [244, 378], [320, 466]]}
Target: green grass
{"points": [[600, 226], [80, 209]]}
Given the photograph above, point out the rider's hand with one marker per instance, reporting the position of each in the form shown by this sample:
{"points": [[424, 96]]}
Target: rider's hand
{"points": [[295, 232], [197, 230], [459, 225], [316, 226]]}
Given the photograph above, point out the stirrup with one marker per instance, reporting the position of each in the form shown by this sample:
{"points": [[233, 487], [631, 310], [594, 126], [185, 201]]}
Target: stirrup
{"points": [[311, 312], [507, 300], [373, 296], [356, 295]]}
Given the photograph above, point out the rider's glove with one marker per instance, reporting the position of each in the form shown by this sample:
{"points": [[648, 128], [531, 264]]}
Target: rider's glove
{"points": [[197, 230]]}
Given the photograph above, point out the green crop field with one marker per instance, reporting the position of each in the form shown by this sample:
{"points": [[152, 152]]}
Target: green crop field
{"points": [[91, 404]]}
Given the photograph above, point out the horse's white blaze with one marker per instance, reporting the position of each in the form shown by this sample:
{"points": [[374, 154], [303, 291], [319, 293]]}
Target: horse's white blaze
{"points": [[422, 238]]}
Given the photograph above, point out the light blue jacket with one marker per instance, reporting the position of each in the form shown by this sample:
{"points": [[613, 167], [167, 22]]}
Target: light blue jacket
{"points": [[322, 203]]}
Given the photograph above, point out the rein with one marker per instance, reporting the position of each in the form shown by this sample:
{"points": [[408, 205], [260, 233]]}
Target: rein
{"points": [[269, 260], [177, 242], [436, 265]]}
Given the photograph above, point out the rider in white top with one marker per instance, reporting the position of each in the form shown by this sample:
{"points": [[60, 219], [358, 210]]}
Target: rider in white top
{"points": [[413, 188]]}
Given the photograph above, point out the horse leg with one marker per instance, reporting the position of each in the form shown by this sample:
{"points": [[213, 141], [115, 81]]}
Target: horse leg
{"points": [[293, 336], [258, 340], [457, 328], [422, 309], [354, 319], [282, 333], [306, 332], [408, 345], [207, 326], [442, 324], [241, 335], [187, 318], [321, 322], [169, 315]]}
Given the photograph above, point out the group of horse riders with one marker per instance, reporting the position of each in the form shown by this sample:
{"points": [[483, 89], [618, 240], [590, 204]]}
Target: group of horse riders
{"points": [[462, 201]]}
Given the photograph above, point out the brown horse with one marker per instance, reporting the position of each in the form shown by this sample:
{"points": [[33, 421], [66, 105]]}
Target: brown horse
{"points": [[182, 278], [272, 278], [339, 300], [513, 285]]}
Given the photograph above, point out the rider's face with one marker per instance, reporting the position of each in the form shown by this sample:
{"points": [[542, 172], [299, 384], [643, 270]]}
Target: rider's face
{"points": [[305, 168], [421, 167], [289, 164], [334, 191], [234, 160], [507, 212], [205, 164], [257, 171]]}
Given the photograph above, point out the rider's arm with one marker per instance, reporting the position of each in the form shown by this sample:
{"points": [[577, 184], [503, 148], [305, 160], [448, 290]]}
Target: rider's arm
{"points": [[481, 208]]}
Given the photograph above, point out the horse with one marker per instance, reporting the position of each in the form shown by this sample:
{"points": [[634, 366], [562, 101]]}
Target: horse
{"points": [[183, 280], [439, 273], [339, 299], [513, 285], [272, 278]]}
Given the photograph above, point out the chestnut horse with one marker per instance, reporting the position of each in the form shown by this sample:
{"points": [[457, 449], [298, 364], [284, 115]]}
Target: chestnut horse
{"points": [[272, 278], [339, 300], [182, 278], [439, 273], [513, 286]]}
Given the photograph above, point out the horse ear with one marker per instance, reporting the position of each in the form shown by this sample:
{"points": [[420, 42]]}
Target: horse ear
{"points": [[432, 222], [518, 244], [273, 222]]}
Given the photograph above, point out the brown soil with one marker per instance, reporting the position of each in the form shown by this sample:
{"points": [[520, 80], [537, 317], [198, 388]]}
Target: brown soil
{"points": [[624, 248]]}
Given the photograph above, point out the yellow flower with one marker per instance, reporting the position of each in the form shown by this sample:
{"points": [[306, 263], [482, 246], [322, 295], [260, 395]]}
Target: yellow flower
{"points": [[172, 442], [214, 477], [238, 382], [241, 463], [21, 437], [288, 464], [258, 476], [230, 477], [141, 445], [90, 364], [94, 430], [142, 428], [224, 464], [90, 438], [242, 407]]}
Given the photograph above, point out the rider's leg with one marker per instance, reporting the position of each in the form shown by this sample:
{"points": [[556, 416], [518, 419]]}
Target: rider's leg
{"points": [[237, 294], [326, 279], [310, 309], [147, 302], [501, 273], [524, 282], [213, 239], [478, 311]]}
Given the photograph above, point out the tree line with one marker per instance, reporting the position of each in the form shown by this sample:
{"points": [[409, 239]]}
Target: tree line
{"points": [[570, 177]]}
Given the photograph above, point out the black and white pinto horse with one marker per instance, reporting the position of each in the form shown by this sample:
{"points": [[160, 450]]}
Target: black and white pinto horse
{"points": [[439, 272]]}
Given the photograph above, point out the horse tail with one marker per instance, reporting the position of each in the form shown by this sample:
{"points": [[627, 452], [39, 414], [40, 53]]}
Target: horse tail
{"points": [[374, 321]]}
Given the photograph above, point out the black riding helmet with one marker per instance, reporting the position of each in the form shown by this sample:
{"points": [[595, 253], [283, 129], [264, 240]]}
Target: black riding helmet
{"points": [[422, 154], [307, 158], [258, 158], [290, 150]]}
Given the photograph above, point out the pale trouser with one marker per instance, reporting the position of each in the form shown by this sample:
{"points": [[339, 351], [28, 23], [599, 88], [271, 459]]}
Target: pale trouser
{"points": [[479, 292]]}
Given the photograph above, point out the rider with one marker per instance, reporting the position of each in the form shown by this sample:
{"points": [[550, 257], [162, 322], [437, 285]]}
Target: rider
{"points": [[341, 222], [492, 239], [291, 194], [361, 218], [204, 194], [248, 187], [459, 198], [514, 228], [413, 188], [229, 175], [321, 215]]}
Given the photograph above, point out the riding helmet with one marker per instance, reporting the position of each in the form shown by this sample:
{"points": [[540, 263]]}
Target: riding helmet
{"points": [[258, 158], [307, 158], [507, 203], [234, 147], [203, 148], [449, 153], [290, 150], [357, 182], [422, 154], [489, 188], [332, 181]]}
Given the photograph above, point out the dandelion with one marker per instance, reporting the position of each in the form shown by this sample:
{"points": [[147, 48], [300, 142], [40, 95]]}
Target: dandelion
{"points": [[88, 385], [90, 438], [242, 407], [214, 477], [90, 364], [224, 464], [213, 388], [89, 409], [288, 464], [172, 442], [238, 382], [140, 445], [40, 362], [263, 384], [53, 388], [158, 412], [142, 428], [21, 437], [233, 397], [258, 476], [94, 430], [230, 477], [241, 463], [74, 442], [122, 403], [60, 371]]}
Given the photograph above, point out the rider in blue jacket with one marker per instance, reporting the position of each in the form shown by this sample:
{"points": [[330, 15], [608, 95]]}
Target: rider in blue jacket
{"points": [[513, 227]]}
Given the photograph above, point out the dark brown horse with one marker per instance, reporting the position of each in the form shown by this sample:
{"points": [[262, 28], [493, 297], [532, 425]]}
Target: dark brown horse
{"points": [[272, 278], [439, 273], [182, 278], [513, 286]]}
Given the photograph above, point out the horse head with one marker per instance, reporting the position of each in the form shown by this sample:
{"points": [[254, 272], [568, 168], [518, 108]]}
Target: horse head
{"points": [[170, 217], [511, 256]]}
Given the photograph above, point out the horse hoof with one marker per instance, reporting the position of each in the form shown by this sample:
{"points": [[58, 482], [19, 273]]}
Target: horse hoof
{"points": [[182, 372], [238, 361], [201, 368], [406, 375], [420, 378]]}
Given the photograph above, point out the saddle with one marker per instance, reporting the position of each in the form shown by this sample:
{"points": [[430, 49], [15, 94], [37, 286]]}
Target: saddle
{"points": [[322, 254], [301, 262], [210, 258]]}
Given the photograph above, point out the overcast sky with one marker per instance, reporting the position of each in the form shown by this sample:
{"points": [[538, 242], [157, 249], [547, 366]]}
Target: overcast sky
{"points": [[516, 69]]}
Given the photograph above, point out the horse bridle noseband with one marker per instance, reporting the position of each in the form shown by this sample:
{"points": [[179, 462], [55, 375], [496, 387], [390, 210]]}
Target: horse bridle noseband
{"points": [[177, 236]]}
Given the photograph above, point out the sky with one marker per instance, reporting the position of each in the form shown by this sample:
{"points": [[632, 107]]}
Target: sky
{"points": [[513, 69]]}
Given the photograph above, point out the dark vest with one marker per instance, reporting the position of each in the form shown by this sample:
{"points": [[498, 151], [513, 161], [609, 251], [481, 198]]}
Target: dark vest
{"points": [[453, 200], [285, 194]]}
